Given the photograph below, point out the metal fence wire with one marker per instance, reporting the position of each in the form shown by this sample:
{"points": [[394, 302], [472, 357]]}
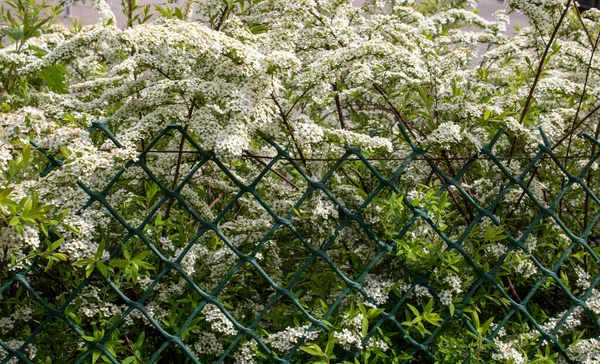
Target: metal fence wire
{"points": [[417, 346]]}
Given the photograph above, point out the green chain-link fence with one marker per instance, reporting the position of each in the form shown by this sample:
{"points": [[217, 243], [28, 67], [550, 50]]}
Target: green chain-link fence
{"points": [[173, 194]]}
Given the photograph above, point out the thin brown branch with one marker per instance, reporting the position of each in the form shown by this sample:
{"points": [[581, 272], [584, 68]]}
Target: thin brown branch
{"points": [[338, 106], [572, 132], [395, 111], [536, 80], [289, 128], [258, 160], [223, 17], [178, 166], [513, 291], [541, 65], [586, 205], [298, 100], [585, 118], [215, 201]]}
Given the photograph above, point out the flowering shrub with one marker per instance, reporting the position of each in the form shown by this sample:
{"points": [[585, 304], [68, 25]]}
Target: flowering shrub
{"points": [[215, 243]]}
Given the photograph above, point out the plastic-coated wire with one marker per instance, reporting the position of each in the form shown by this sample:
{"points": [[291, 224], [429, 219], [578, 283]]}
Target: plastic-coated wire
{"points": [[416, 345]]}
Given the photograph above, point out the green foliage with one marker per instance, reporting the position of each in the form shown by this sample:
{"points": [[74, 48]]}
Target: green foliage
{"points": [[29, 212], [21, 20]]}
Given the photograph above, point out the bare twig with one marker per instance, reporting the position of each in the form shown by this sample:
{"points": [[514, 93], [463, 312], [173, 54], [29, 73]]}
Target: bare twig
{"points": [[338, 106], [289, 128], [541, 65], [212, 204], [223, 17], [258, 160], [512, 290]]}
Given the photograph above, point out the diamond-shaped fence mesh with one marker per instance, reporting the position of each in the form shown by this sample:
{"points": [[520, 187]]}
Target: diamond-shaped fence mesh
{"points": [[211, 300]]}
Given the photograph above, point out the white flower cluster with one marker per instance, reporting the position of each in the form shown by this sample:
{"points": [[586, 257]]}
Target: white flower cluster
{"points": [[285, 340], [378, 289], [525, 267], [507, 352], [583, 278], [308, 133], [351, 334], [446, 133], [245, 353], [30, 350], [8, 323], [325, 209], [208, 343], [218, 321], [349, 338], [91, 304], [455, 283], [421, 292], [593, 302], [586, 351]]}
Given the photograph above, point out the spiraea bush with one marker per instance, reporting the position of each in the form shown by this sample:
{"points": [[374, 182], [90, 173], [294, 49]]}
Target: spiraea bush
{"points": [[360, 270]]}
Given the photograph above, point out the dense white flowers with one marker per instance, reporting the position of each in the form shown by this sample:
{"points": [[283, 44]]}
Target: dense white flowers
{"points": [[288, 338], [218, 321], [448, 132], [507, 352], [586, 351], [208, 344], [378, 289], [30, 350]]}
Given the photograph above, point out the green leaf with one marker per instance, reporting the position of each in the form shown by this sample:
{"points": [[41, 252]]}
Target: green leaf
{"points": [[365, 327], [126, 253], [429, 306], [110, 349], [26, 153], [140, 340], [55, 78], [100, 250], [13, 33], [413, 309], [128, 360], [103, 269], [88, 270], [485, 326], [44, 229], [166, 11], [259, 29], [5, 193], [327, 323], [119, 263], [141, 256], [71, 229], [330, 344], [95, 355], [56, 244], [475, 319], [313, 349], [61, 215]]}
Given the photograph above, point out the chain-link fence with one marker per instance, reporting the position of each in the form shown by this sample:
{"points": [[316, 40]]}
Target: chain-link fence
{"points": [[170, 194]]}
